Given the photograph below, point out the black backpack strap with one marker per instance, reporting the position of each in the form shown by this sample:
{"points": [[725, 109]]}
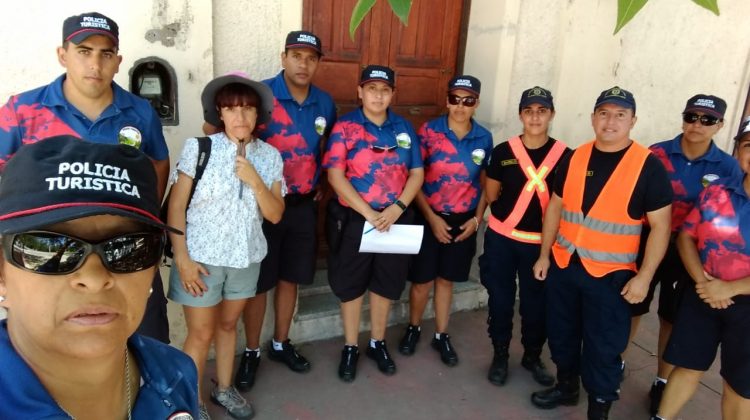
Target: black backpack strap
{"points": [[204, 152]]}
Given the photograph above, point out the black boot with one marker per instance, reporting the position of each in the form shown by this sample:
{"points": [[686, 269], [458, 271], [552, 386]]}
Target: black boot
{"points": [[598, 409], [565, 392], [532, 362], [498, 372]]}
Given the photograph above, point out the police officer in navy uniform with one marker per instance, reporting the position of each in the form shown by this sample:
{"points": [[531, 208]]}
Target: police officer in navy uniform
{"points": [[519, 176], [715, 309], [300, 122], [455, 149], [375, 167], [592, 227], [68, 348], [692, 161]]}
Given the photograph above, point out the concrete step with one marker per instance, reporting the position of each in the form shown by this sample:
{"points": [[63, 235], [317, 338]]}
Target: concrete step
{"points": [[318, 314]]}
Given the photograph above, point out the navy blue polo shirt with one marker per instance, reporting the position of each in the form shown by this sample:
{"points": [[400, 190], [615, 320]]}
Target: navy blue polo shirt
{"points": [[44, 112], [376, 159], [690, 177], [720, 225], [453, 166], [169, 383], [295, 130]]}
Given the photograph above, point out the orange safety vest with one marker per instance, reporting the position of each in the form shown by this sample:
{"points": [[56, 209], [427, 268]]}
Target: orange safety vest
{"points": [[607, 238], [535, 184]]}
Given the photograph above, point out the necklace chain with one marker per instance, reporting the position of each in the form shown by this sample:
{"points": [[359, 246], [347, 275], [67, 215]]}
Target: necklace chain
{"points": [[127, 388]]}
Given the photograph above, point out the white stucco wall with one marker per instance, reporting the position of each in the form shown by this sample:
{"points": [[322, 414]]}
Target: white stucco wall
{"points": [[670, 51], [249, 35]]}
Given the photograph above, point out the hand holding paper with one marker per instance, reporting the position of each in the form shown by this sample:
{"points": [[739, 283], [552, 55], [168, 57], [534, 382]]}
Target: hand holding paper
{"points": [[399, 239]]}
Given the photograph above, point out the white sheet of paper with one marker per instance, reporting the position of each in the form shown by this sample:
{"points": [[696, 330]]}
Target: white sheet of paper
{"points": [[400, 239]]}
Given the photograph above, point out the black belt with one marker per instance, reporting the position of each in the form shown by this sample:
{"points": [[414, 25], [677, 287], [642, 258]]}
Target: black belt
{"points": [[297, 199]]}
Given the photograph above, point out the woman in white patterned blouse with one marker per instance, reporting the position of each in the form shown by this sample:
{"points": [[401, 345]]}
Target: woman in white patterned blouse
{"points": [[216, 263]]}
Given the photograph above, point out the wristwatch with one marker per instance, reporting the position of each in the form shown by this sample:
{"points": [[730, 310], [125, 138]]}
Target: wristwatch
{"points": [[400, 204]]}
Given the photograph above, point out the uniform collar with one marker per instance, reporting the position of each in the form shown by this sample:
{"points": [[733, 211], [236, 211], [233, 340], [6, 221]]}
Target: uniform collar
{"points": [[54, 97], [361, 118], [163, 377], [442, 126], [713, 154], [736, 185], [281, 90]]}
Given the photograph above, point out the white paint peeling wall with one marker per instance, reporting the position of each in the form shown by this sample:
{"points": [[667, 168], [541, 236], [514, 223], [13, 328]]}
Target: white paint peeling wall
{"points": [[249, 35], [670, 51]]}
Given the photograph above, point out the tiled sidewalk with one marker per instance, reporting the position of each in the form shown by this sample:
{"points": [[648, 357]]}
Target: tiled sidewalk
{"points": [[424, 388]]}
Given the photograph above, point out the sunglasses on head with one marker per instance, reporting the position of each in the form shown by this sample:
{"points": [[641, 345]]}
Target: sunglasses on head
{"points": [[54, 253], [468, 101], [381, 149], [707, 120]]}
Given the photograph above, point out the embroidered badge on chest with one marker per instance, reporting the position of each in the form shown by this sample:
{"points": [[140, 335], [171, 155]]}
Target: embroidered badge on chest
{"points": [[131, 136], [477, 156], [708, 178], [403, 140], [320, 125]]}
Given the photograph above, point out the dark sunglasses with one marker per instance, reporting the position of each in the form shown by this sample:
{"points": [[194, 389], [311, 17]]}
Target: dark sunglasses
{"points": [[706, 120], [56, 253], [468, 101], [381, 149]]}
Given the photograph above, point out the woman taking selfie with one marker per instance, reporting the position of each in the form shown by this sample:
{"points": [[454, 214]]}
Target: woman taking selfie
{"points": [[81, 241]]}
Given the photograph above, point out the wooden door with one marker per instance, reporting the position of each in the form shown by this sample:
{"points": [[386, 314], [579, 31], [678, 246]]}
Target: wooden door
{"points": [[424, 54]]}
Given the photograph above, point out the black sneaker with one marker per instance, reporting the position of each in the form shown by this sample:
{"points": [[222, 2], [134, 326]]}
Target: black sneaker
{"points": [[381, 356], [244, 379], [447, 353], [348, 365], [408, 343], [655, 394], [288, 356]]}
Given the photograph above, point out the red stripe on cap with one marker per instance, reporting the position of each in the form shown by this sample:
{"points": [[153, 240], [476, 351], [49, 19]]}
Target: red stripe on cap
{"points": [[99, 31], [377, 79], [302, 44], [67, 205]]}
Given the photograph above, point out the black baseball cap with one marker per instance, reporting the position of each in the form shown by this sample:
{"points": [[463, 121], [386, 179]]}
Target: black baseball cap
{"points": [[375, 73], [707, 104], [618, 96], [65, 178], [744, 130], [79, 27], [536, 95], [465, 82], [303, 39]]}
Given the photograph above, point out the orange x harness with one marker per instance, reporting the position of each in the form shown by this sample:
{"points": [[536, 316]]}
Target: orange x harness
{"points": [[535, 184]]}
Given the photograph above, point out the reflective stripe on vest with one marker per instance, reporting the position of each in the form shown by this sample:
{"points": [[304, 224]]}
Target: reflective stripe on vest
{"points": [[607, 238], [535, 184], [597, 255]]}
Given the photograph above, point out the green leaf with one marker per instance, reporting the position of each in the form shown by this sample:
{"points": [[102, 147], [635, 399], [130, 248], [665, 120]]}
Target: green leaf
{"points": [[401, 8], [712, 5], [626, 9], [361, 9]]}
